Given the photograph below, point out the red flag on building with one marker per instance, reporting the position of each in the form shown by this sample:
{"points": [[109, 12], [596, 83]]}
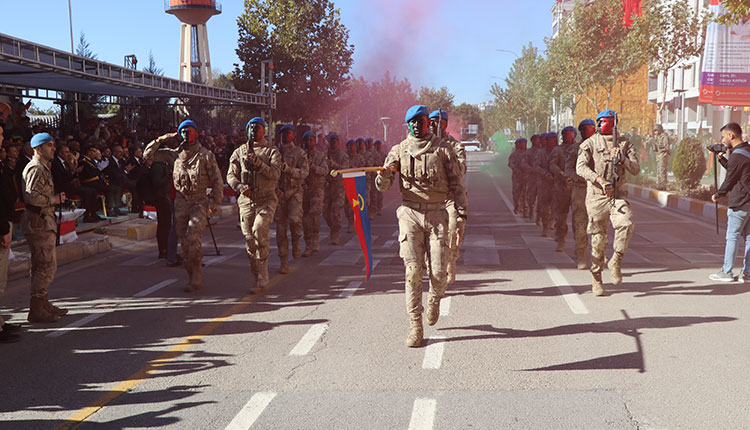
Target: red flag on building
{"points": [[630, 8]]}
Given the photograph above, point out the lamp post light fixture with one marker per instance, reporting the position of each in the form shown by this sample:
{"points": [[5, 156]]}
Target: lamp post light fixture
{"points": [[385, 120]]}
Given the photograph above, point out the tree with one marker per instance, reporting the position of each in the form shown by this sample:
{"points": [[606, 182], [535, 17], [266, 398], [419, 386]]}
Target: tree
{"points": [[470, 114], [310, 51], [593, 48], [736, 11], [670, 33], [152, 67], [84, 48], [435, 99], [155, 111]]}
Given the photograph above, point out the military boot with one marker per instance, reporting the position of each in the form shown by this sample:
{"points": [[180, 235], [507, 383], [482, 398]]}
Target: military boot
{"points": [[316, 243], [296, 251], [54, 309], [308, 251], [581, 256], [284, 266], [433, 310], [416, 332], [596, 284], [38, 313], [196, 278], [335, 238], [560, 246], [615, 264], [261, 279]]}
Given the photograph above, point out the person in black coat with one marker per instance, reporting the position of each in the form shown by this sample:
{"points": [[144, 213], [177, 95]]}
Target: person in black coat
{"points": [[93, 178], [66, 181], [7, 209], [118, 170]]}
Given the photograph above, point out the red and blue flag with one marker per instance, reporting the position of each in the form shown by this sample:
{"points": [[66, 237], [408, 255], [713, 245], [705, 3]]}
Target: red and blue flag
{"points": [[356, 194]]}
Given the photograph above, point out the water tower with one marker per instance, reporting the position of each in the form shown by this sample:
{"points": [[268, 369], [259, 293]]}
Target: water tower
{"points": [[195, 61]]}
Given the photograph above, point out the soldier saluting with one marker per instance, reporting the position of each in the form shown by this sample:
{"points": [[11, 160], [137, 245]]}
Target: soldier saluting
{"points": [[195, 170], [602, 162], [429, 175], [254, 170]]}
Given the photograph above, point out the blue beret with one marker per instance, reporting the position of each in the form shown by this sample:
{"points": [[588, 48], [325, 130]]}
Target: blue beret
{"points": [[552, 135], [350, 142], [286, 127], [378, 141], [359, 139], [333, 136], [570, 128], [187, 123], [609, 113], [535, 136], [256, 120], [40, 139], [415, 111], [308, 134], [369, 139], [443, 114], [520, 140], [587, 121]]}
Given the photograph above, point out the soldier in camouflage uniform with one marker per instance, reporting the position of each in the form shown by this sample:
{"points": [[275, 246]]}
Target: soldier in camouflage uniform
{"points": [[563, 184], [518, 176], [195, 170], [660, 144], [377, 195], [429, 175], [40, 228], [456, 226], [294, 170], [312, 198], [587, 128], [254, 170], [356, 159], [532, 179], [601, 162], [546, 182], [370, 160], [335, 197]]}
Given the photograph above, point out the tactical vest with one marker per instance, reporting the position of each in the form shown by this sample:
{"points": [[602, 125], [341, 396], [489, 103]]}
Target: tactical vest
{"points": [[423, 180]]}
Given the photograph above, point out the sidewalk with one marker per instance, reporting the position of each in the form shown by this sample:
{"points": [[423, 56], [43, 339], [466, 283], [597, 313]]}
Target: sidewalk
{"points": [[667, 199], [94, 238]]}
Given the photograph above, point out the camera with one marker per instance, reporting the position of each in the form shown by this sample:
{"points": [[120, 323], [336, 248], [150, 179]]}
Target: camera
{"points": [[717, 148]]}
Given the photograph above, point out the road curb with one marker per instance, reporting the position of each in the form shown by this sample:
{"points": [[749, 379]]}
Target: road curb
{"points": [[668, 200]]}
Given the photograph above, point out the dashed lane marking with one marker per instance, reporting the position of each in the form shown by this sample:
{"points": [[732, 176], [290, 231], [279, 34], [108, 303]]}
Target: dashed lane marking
{"points": [[433, 353], [445, 307], [92, 317], [305, 344], [218, 259], [251, 411], [350, 289], [423, 414], [571, 298]]}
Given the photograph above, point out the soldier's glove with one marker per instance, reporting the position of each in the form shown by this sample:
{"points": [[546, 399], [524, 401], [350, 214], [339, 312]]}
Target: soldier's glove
{"points": [[213, 209], [286, 169]]}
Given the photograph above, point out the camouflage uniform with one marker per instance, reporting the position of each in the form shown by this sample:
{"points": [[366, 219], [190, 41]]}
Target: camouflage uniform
{"points": [[429, 175], [518, 178], [660, 144], [594, 161], [335, 193], [257, 210], [40, 229], [194, 171], [562, 191], [532, 181], [312, 200], [454, 226], [578, 205], [544, 189], [289, 212], [370, 161]]}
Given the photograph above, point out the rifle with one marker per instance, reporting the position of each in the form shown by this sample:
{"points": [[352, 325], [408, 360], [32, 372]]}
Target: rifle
{"points": [[249, 176], [615, 161]]}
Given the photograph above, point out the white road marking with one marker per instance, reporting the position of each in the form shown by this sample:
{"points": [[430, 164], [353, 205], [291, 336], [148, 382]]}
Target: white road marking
{"points": [[92, 317], [571, 298], [83, 321], [156, 287], [217, 259], [433, 353], [445, 306], [308, 340], [350, 289], [389, 243], [141, 260], [342, 258], [423, 414], [375, 263], [251, 411]]}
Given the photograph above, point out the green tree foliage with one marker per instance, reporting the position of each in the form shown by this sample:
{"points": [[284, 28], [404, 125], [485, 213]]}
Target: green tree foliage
{"points": [[736, 11], [364, 103], [84, 48], [435, 99], [469, 114], [593, 48], [155, 111], [310, 51], [526, 95], [689, 162], [670, 33]]}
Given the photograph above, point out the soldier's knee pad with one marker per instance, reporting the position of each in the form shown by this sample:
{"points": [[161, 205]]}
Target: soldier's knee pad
{"points": [[413, 274]]}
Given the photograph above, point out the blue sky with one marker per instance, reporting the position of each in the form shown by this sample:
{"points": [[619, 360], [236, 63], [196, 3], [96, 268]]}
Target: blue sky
{"points": [[452, 44]]}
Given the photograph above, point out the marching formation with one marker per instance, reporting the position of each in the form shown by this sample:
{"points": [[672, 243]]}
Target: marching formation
{"points": [[584, 175]]}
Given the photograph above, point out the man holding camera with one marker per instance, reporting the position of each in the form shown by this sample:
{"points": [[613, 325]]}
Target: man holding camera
{"points": [[737, 185]]}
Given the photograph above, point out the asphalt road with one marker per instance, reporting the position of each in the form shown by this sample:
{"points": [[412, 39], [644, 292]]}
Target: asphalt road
{"points": [[521, 342]]}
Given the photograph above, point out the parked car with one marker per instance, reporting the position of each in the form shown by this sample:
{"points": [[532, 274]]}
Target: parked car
{"points": [[472, 145]]}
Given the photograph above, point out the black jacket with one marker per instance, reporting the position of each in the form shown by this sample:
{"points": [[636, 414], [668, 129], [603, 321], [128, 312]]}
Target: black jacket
{"points": [[7, 207], [737, 181], [62, 177]]}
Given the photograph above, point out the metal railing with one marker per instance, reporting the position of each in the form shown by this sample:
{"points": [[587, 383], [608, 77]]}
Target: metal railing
{"points": [[48, 59]]}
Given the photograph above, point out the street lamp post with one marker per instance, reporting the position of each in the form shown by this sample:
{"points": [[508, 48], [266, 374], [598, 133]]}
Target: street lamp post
{"points": [[385, 128]]}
